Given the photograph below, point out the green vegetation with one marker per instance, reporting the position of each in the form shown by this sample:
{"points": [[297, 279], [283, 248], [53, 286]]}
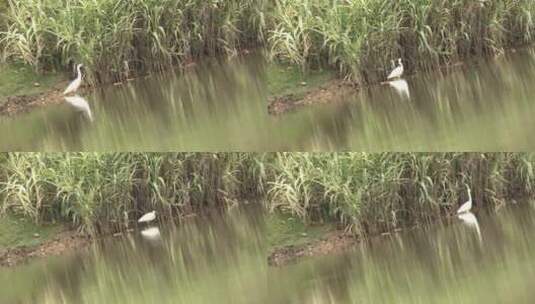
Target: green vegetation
{"points": [[366, 193], [106, 192], [19, 79], [287, 79], [115, 38], [18, 231], [357, 38], [372, 193], [286, 229], [360, 37]]}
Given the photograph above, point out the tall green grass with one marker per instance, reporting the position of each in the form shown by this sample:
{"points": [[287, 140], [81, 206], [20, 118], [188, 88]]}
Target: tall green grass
{"points": [[371, 193], [117, 38], [366, 193], [357, 37], [360, 37], [107, 192]]}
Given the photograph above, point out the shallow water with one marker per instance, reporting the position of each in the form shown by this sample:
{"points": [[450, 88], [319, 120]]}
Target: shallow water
{"points": [[225, 262], [486, 105]]}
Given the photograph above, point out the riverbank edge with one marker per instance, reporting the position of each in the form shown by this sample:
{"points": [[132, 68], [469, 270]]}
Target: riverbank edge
{"points": [[68, 240], [340, 241], [23, 103], [335, 89], [277, 103], [332, 243], [19, 104]]}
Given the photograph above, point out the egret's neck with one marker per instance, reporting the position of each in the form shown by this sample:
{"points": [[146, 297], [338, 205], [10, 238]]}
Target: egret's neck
{"points": [[79, 71], [469, 195]]}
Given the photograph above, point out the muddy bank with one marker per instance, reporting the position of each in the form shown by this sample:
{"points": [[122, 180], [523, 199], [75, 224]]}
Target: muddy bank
{"points": [[69, 240], [332, 243], [329, 92], [13, 105], [18, 104], [64, 242]]}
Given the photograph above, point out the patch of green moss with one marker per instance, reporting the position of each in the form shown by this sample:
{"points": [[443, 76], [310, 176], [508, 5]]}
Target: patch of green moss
{"points": [[21, 79], [16, 231], [288, 79], [285, 230]]}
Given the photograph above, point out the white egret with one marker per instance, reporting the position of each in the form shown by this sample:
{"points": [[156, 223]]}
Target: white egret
{"points": [[466, 207], [148, 217], [471, 221], [151, 233], [80, 104], [397, 72], [75, 84], [401, 86]]}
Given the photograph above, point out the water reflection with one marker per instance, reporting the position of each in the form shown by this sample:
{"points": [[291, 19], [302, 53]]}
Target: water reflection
{"points": [[485, 105], [80, 104], [402, 88], [151, 233], [471, 221]]}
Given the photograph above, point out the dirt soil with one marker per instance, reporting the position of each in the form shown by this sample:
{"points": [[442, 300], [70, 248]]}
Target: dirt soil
{"points": [[63, 243], [334, 242], [14, 105], [329, 92]]}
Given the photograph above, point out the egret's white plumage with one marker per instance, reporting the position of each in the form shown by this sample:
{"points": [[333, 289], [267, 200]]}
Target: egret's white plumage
{"points": [[75, 84], [148, 217], [466, 207], [80, 104], [397, 72], [151, 233], [401, 86]]}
